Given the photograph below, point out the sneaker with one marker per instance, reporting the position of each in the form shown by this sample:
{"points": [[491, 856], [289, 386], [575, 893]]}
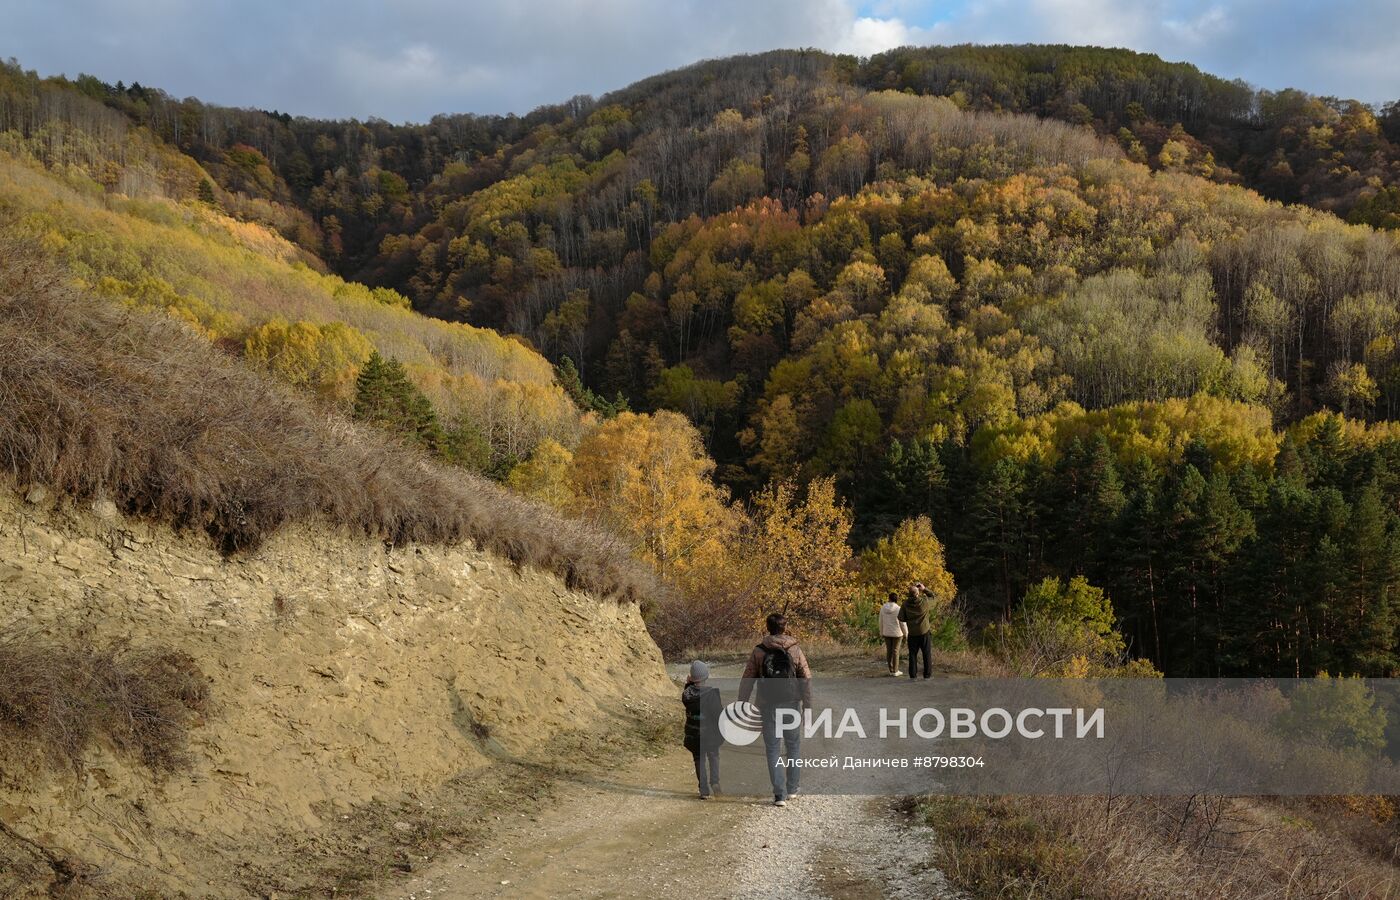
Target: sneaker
{"points": [[792, 794], [897, 672], [704, 796], [714, 790], [779, 801]]}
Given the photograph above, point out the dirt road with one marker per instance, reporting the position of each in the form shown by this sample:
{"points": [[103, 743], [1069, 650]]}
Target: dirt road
{"points": [[644, 833], [641, 831]]}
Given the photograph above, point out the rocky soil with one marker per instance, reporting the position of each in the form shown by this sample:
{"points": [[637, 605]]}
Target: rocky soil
{"points": [[642, 832], [344, 674]]}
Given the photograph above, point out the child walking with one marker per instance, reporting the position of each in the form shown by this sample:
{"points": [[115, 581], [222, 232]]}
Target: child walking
{"points": [[702, 738]]}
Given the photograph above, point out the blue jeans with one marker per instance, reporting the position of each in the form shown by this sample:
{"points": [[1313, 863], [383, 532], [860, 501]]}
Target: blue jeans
{"points": [[785, 778]]}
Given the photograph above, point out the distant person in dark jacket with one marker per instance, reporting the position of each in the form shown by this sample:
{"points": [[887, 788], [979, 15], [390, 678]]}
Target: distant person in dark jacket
{"points": [[915, 613], [703, 707], [779, 669]]}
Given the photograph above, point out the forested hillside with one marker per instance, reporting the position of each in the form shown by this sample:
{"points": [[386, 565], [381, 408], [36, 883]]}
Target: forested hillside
{"points": [[105, 207], [1333, 153], [983, 316]]}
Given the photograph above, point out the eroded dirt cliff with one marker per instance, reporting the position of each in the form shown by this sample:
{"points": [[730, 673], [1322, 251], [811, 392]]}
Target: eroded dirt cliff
{"points": [[342, 671]]}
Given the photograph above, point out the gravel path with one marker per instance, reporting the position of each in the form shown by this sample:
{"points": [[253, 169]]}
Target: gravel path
{"points": [[641, 832], [837, 846], [644, 834]]}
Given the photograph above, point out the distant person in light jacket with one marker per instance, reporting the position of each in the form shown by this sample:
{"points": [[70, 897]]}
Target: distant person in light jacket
{"points": [[893, 631]]}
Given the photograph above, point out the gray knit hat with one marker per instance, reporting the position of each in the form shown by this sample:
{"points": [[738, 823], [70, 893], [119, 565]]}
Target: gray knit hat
{"points": [[699, 672]]}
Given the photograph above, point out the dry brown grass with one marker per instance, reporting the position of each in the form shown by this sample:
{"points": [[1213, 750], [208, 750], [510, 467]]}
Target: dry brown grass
{"points": [[61, 696], [1067, 847], [105, 403], [709, 619]]}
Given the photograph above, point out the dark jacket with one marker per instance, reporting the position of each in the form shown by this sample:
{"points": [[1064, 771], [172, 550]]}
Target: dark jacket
{"points": [[702, 711], [915, 612], [753, 669]]}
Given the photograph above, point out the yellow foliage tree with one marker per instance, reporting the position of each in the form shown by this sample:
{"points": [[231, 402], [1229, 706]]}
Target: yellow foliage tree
{"points": [[913, 553], [1352, 388], [930, 273], [647, 477], [799, 556], [1173, 155], [325, 358], [545, 475], [151, 292], [777, 440]]}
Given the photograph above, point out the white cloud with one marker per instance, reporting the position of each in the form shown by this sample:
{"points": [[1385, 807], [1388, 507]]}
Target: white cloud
{"points": [[1210, 25], [870, 36], [412, 58]]}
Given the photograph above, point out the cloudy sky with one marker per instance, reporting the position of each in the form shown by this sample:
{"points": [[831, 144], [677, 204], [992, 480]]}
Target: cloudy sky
{"points": [[404, 60]]}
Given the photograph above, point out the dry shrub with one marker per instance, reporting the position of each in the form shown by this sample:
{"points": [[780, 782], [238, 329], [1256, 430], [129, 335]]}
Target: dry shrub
{"points": [[63, 695], [1368, 823], [998, 847], [700, 620], [971, 664], [1201, 846], [101, 402]]}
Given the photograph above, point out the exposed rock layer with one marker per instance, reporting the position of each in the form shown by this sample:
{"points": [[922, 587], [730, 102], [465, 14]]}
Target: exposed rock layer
{"points": [[342, 671]]}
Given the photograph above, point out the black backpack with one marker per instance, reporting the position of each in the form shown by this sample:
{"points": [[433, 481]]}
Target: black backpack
{"points": [[778, 674]]}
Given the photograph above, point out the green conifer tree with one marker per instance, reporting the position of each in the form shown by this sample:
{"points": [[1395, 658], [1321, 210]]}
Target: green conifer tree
{"points": [[386, 398]]}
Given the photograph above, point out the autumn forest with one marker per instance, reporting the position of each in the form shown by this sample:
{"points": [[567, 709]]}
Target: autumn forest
{"points": [[1103, 349]]}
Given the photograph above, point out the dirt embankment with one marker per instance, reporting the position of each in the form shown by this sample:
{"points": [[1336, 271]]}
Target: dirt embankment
{"points": [[342, 672]]}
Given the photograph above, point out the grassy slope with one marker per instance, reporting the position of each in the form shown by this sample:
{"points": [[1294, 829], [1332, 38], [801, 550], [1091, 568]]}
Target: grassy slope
{"points": [[228, 277], [139, 410]]}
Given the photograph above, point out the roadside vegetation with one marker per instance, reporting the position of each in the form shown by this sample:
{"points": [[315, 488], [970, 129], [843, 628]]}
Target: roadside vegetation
{"points": [[132, 407], [254, 295], [59, 697], [1203, 846]]}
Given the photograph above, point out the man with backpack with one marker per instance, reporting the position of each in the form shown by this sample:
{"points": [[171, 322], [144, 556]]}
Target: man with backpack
{"points": [[915, 613], [779, 669]]}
